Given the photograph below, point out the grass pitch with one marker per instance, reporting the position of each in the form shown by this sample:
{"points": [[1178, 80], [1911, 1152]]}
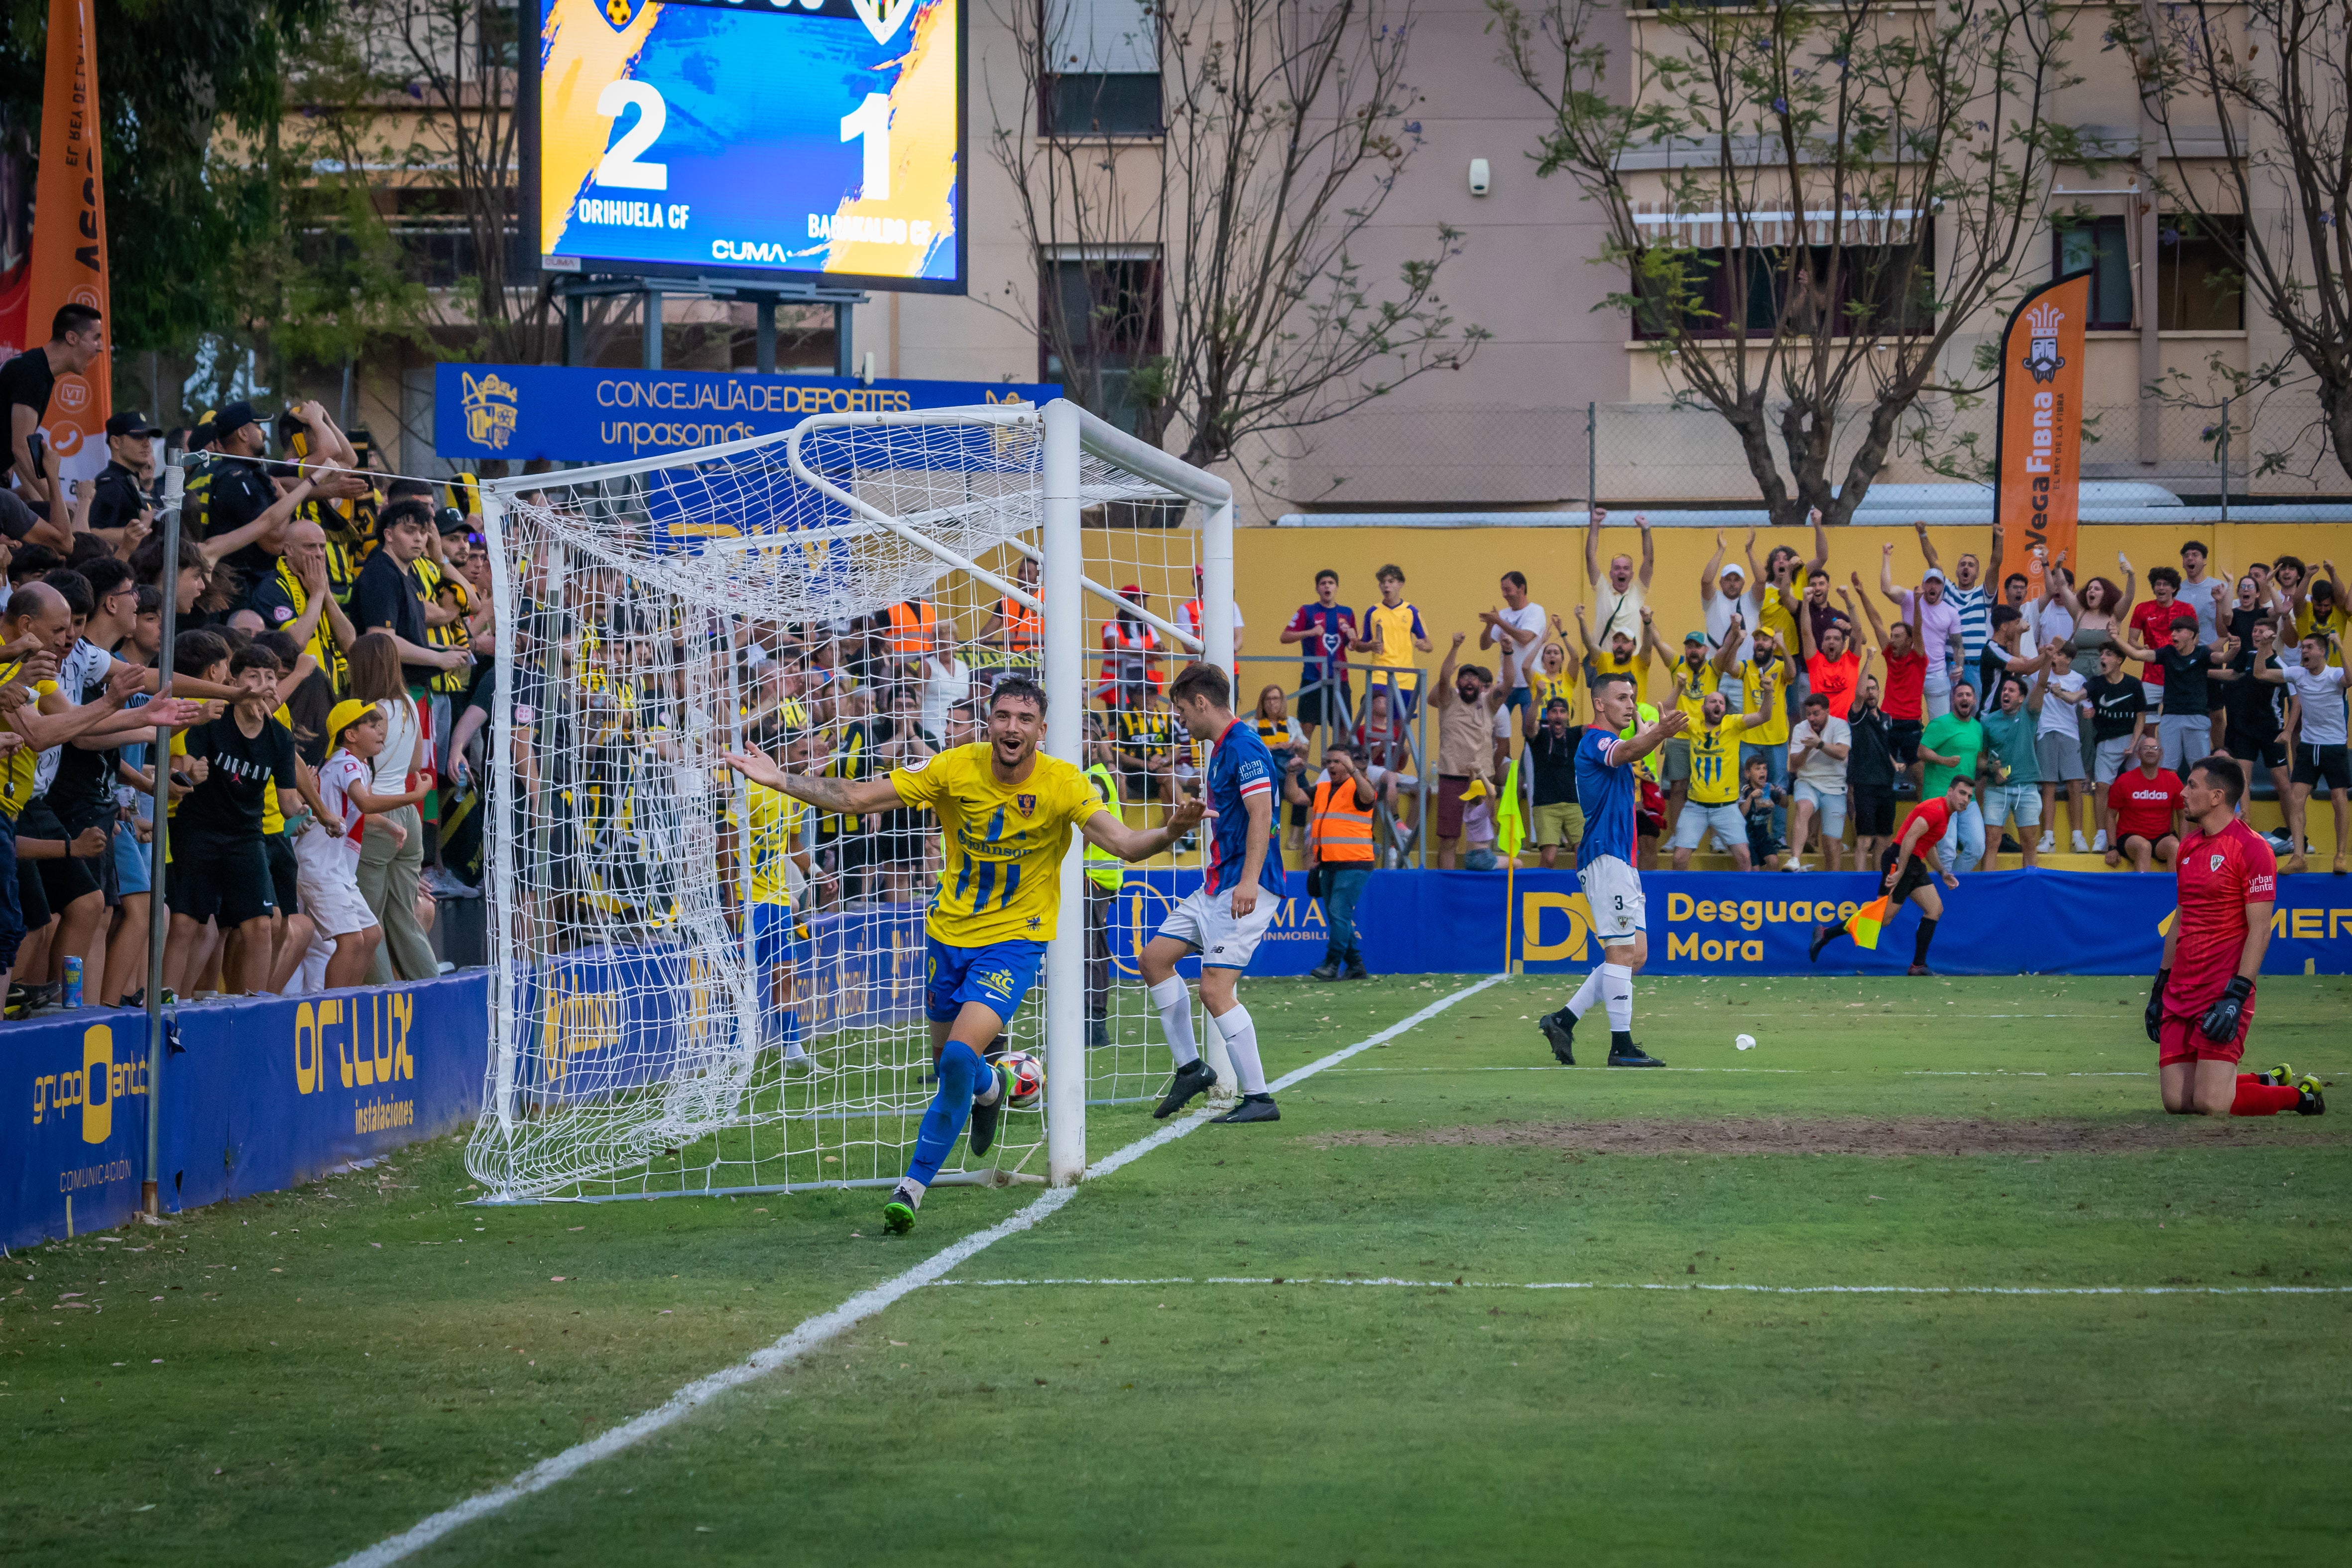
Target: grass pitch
{"points": [[290, 1379]]}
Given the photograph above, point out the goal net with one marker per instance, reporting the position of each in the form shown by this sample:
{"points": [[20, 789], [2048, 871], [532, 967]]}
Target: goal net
{"points": [[701, 986]]}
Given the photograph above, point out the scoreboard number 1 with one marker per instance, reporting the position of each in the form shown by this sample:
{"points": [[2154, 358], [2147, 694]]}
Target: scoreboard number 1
{"points": [[871, 120]]}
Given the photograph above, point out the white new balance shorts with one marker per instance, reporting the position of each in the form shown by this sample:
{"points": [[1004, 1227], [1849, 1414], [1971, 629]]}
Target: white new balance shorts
{"points": [[1205, 920], [329, 885], [1613, 891]]}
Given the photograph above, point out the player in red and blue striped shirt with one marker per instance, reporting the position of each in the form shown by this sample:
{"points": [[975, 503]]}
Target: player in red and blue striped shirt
{"points": [[1223, 919]]}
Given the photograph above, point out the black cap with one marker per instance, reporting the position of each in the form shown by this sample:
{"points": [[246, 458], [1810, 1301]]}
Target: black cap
{"points": [[235, 416], [132, 423], [449, 519]]}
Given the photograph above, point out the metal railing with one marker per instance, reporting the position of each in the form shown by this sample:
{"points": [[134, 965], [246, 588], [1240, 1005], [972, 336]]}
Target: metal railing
{"points": [[1396, 844]]}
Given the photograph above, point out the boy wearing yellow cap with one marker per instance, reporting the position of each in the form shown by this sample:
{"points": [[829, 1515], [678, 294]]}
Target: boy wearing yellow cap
{"points": [[326, 856]]}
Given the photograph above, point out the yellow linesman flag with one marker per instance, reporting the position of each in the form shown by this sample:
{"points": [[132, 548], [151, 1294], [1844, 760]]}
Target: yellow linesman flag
{"points": [[1510, 830], [1866, 922]]}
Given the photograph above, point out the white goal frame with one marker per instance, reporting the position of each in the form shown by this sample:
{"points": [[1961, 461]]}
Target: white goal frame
{"points": [[1070, 438]]}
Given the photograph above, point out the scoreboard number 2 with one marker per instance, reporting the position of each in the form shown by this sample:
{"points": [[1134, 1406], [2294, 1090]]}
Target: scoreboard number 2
{"points": [[620, 167]]}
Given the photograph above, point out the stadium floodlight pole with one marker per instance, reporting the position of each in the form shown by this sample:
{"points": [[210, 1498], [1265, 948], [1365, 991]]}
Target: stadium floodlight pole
{"points": [[159, 915], [1066, 738]]}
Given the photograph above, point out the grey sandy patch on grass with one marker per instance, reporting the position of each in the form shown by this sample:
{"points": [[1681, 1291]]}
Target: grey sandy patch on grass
{"points": [[1888, 1136]]}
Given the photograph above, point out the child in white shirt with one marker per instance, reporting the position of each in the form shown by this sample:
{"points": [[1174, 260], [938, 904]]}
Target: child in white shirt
{"points": [[327, 855]]}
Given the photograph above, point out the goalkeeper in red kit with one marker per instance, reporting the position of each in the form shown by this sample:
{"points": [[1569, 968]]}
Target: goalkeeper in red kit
{"points": [[2203, 1002]]}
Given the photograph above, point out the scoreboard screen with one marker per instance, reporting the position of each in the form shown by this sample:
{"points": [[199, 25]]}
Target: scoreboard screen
{"points": [[792, 139]]}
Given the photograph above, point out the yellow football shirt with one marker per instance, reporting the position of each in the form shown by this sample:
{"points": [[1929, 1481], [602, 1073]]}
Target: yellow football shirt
{"points": [[1774, 731], [1780, 614], [1714, 764], [1544, 688], [1691, 690], [2336, 621], [24, 765], [775, 828], [1003, 843], [1398, 627], [1635, 664]]}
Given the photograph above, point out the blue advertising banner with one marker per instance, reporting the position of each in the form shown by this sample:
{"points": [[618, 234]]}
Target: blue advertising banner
{"points": [[1724, 923], [567, 414], [608, 1018], [260, 1095]]}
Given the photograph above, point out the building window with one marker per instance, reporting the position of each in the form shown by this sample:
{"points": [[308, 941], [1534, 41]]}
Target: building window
{"points": [[2199, 287], [1882, 289], [1101, 75], [1107, 310], [2101, 245]]}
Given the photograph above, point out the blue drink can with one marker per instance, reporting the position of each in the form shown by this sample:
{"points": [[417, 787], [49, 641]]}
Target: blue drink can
{"points": [[73, 982]]}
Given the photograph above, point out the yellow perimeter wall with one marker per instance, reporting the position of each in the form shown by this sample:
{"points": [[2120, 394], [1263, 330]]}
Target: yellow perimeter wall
{"points": [[1454, 573]]}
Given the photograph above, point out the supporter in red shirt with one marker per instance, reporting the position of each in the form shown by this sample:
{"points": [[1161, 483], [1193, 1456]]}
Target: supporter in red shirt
{"points": [[1911, 871], [2202, 1004], [2144, 806], [2151, 621], [1902, 694], [1832, 669]]}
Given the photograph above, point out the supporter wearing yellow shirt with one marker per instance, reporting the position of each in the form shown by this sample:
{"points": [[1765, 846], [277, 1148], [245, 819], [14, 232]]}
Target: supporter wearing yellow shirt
{"points": [[2323, 612], [1714, 804], [1768, 734], [776, 866], [1623, 656], [1392, 634], [1781, 585], [1557, 678], [1006, 814]]}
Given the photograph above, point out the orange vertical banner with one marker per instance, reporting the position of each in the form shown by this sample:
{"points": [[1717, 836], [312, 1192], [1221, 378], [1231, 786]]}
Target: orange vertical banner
{"points": [[2039, 487], [69, 231]]}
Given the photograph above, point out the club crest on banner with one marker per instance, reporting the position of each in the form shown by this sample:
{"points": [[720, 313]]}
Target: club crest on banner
{"points": [[490, 400]]}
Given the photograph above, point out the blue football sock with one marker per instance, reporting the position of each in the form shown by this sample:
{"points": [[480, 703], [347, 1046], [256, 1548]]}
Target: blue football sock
{"points": [[961, 1075]]}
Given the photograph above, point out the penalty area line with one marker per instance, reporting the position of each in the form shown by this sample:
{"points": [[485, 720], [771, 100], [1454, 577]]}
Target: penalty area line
{"points": [[825, 1326], [1692, 1285]]}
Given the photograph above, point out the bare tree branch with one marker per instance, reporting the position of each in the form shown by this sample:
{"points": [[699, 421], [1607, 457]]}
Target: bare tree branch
{"points": [[1217, 295], [1841, 190], [2271, 82]]}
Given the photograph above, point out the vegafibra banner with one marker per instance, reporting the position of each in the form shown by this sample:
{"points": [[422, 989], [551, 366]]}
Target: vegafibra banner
{"points": [[568, 414]]}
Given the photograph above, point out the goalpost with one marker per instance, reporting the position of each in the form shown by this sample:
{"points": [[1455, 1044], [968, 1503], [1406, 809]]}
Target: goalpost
{"points": [[699, 987]]}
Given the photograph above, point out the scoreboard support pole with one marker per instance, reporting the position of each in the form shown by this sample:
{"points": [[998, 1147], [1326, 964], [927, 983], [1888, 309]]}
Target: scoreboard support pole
{"points": [[572, 295]]}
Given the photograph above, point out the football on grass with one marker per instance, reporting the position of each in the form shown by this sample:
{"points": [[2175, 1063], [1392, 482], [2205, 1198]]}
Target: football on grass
{"points": [[1027, 1075]]}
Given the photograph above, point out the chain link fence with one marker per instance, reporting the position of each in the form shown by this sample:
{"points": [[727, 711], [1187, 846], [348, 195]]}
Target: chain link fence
{"points": [[1669, 454]]}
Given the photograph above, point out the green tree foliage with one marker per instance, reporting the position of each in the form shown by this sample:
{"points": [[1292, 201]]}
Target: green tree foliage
{"points": [[183, 220]]}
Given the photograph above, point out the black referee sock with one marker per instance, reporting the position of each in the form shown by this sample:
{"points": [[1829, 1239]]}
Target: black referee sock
{"points": [[1920, 943]]}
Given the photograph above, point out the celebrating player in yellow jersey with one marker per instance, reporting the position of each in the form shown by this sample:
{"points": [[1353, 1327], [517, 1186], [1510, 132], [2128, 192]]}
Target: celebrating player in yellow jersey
{"points": [[1005, 818]]}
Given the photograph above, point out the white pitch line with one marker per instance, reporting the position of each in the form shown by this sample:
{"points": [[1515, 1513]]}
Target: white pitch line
{"points": [[824, 1326], [1695, 1285]]}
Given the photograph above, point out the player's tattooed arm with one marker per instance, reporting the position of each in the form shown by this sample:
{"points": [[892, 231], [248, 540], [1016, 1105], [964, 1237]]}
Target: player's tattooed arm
{"points": [[1104, 831], [852, 796]]}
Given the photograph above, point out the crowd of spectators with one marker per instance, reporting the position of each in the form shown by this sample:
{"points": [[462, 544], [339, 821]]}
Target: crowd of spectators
{"points": [[331, 688], [1818, 707]]}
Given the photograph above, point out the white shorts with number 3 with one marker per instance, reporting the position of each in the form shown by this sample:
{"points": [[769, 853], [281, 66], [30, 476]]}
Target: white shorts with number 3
{"points": [[1614, 890]]}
